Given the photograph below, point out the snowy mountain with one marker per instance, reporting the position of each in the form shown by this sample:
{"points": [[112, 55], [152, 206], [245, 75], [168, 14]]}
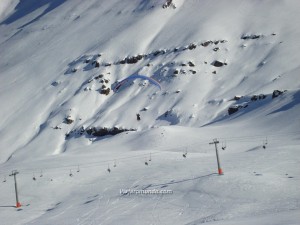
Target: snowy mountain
{"points": [[227, 70]]}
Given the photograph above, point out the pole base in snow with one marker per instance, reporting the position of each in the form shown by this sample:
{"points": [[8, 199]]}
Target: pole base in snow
{"points": [[220, 172], [18, 205]]}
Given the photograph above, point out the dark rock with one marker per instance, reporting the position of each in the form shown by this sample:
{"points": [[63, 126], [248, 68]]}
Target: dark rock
{"points": [[262, 96], [192, 46], [207, 43], [253, 36], [123, 61], [218, 63], [99, 132], [55, 83], [99, 76], [107, 64], [216, 49], [183, 71], [276, 93], [193, 71], [191, 64], [237, 97], [134, 59], [87, 60], [74, 70], [232, 109], [168, 4], [214, 72], [176, 72], [69, 120], [105, 91], [183, 64], [254, 98], [156, 53]]}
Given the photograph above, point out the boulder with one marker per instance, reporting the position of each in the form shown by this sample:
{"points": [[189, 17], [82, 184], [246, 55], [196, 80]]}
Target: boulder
{"points": [[251, 36], [218, 63], [276, 93], [254, 98], [191, 64], [105, 91], [192, 46], [69, 120], [207, 43], [232, 109]]}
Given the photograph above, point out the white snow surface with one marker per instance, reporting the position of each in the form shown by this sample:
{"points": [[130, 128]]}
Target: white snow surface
{"points": [[48, 74]]}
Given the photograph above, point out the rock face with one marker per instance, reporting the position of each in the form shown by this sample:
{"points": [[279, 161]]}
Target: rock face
{"points": [[99, 132], [276, 93], [168, 4], [232, 109]]}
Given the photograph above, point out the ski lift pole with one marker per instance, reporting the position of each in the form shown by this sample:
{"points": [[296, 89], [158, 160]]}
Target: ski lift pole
{"points": [[14, 173], [216, 142]]}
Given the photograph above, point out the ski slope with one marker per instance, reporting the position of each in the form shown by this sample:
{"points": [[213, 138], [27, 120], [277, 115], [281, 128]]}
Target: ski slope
{"points": [[60, 61]]}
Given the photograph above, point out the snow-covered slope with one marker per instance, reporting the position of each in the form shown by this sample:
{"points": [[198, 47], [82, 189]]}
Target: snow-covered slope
{"points": [[60, 63]]}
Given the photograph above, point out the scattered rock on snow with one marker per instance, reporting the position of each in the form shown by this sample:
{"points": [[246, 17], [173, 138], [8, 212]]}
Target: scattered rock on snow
{"points": [[217, 63], [105, 91], [237, 97], [251, 36], [191, 64], [69, 120], [232, 109], [207, 43], [276, 93], [192, 46]]}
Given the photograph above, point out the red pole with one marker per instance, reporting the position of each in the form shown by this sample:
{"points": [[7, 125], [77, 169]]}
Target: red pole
{"points": [[215, 142], [14, 173]]}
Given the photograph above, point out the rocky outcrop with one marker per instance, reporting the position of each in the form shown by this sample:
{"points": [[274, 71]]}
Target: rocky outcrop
{"points": [[232, 109], [99, 132], [169, 3], [276, 93]]}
